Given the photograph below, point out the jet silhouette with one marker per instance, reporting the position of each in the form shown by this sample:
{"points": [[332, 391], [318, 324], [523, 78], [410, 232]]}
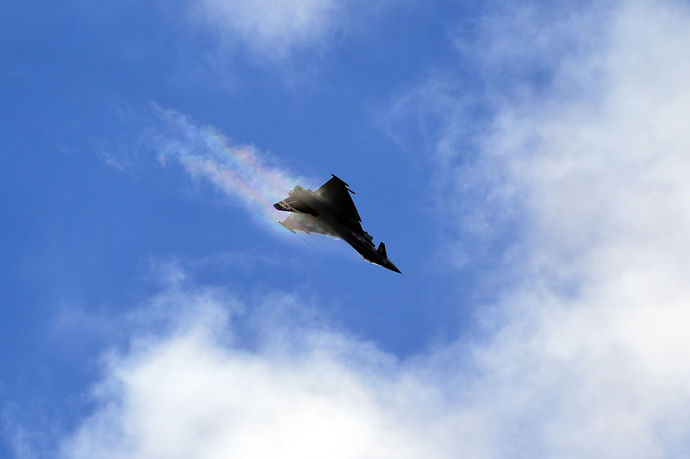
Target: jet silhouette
{"points": [[330, 210]]}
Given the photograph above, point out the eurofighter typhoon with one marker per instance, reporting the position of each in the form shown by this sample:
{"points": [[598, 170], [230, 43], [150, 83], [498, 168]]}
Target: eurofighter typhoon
{"points": [[330, 210]]}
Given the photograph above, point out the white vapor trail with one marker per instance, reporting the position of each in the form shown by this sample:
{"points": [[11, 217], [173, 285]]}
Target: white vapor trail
{"points": [[240, 172]]}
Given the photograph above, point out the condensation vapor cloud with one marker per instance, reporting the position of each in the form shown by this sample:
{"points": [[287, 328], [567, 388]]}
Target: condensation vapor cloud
{"points": [[238, 171]]}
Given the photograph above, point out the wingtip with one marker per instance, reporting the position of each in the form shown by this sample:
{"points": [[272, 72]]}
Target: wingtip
{"points": [[282, 223], [336, 177]]}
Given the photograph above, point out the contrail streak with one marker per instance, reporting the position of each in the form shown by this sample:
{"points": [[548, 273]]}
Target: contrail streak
{"points": [[238, 171]]}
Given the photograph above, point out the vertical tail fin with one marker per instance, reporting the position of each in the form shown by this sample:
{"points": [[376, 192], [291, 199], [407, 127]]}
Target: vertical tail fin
{"points": [[382, 250]]}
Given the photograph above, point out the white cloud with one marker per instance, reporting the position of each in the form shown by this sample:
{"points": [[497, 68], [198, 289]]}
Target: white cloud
{"points": [[302, 391], [275, 29], [585, 356], [587, 359]]}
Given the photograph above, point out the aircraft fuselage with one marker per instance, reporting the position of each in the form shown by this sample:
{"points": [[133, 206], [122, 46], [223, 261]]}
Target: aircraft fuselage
{"points": [[305, 201]]}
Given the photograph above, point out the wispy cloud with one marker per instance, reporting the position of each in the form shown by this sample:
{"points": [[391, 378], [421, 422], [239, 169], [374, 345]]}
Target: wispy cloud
{"points": [[274, 30]]}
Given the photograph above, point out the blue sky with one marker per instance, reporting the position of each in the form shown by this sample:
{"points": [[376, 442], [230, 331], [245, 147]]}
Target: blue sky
{"points": [[525, 163]]}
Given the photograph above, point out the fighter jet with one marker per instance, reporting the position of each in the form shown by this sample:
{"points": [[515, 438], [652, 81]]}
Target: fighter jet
{"points": [[330, 210]]}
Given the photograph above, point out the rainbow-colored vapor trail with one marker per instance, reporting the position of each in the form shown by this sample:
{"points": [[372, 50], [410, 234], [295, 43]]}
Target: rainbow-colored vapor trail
{"points": [[236, 170]]}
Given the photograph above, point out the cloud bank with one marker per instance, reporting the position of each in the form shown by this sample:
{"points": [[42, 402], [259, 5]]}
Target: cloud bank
{"points": [[584, 356], [299, 389]]}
